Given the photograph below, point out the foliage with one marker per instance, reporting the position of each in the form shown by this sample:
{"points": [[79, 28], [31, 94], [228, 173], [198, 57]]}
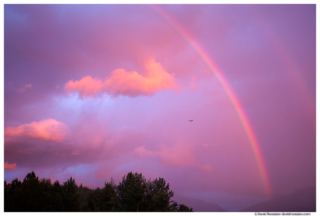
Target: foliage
{"points": [[133, 193], [184, 208]]}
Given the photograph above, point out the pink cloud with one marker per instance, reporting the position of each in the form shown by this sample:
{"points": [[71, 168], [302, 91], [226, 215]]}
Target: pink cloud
{"points": [[142, 152], [86, 86], [24, 88], [126, 83], [192, 85], [48, 129], [9, 166], [207, 168], [177, 155]]}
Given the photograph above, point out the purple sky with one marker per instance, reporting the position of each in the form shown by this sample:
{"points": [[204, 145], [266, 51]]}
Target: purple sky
{"points": [[97, 91]]}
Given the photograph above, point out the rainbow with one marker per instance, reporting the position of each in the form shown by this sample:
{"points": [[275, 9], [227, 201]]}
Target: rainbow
{"points": [[232, 96]]}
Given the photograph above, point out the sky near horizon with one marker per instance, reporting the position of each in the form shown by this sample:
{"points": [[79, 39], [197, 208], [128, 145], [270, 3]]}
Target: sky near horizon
{"points": [[97, 91]]}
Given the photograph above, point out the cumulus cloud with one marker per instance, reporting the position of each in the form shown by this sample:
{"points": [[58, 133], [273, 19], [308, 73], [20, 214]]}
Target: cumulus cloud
{"points": [[126, 83], [24, 88], [48, 129], [9, 166], [86, 86]]}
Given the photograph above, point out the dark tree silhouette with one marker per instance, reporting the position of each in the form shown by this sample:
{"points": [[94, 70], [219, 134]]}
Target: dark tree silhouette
{"points": [[70, 197], [184, 208], [84, 194], [31, 193], [133, 194], [56, 197], [159, 195]]}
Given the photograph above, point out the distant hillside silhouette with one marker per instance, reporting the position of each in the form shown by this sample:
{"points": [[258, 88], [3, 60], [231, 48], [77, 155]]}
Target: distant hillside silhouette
{"points": [[302, 200], [198, 205]]}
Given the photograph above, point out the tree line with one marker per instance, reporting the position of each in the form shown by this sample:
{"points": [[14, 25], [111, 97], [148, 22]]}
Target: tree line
{"points": [[134, 193]]}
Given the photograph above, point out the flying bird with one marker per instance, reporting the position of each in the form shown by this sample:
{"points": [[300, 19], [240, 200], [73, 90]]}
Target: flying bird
{"points": [[190, 120]]}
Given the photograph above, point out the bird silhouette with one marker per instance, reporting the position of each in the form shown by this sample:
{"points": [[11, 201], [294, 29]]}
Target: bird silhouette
{"points": [[190, 120]]}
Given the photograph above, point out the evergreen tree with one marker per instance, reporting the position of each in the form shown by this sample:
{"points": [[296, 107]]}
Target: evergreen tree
{"points": [[15, 196], [56, 197], [184, 208], [45, 203], [131, 192], [158, 195], [84, 194], [32, 193], [70, 197]]}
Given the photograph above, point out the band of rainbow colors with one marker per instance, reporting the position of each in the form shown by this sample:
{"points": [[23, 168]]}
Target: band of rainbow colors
{"points": [[232, 96]]}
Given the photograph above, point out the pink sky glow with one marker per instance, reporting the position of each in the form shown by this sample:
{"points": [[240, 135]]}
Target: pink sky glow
{"points": [[97, 91]]}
